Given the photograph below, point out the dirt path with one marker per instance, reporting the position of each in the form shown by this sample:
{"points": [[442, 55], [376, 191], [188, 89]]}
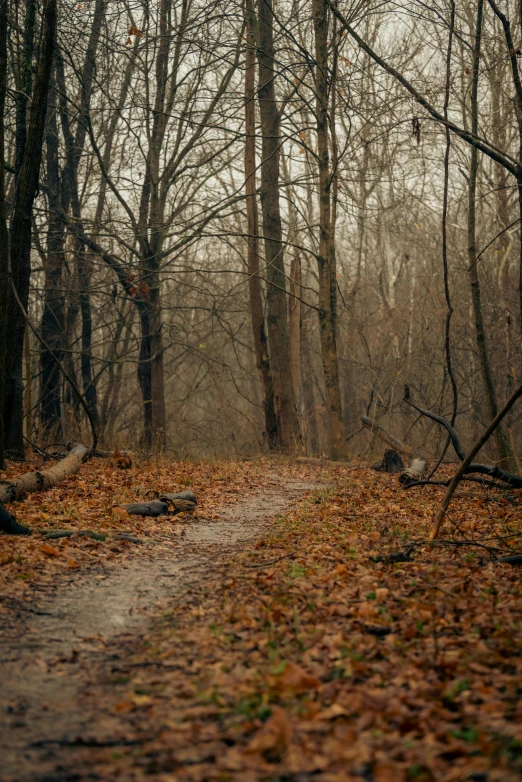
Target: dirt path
{"points": [[44, 664]]}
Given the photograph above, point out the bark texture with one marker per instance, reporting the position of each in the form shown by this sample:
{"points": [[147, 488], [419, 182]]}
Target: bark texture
{"points": [[505, 455], [20, 231], [4, 236], [254, 279], [326, 256], [284, 402], [46, 479]]}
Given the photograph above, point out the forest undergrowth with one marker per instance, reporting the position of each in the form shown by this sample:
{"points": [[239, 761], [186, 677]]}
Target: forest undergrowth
{"points": [[311, 654]]}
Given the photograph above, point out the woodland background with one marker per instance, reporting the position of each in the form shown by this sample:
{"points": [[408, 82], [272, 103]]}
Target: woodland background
{"points": [[233, 230]]}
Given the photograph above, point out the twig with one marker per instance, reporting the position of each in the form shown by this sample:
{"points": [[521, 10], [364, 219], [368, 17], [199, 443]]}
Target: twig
{"points": [[40, 450], [68, 533], [273, 561]]}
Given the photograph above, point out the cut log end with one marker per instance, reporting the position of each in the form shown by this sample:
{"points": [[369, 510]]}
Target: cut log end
{"points": [[417, 471]]}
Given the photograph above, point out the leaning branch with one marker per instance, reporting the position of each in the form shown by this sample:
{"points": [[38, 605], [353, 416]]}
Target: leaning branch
{"points": [[442, 421], [466, 464]]}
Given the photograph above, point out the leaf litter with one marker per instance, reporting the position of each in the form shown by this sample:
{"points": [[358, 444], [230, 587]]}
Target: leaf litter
{"points": [[304, 657]]}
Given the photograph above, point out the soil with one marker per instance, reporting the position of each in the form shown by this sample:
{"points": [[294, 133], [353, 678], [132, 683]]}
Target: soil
{"points": [[45, 658]]}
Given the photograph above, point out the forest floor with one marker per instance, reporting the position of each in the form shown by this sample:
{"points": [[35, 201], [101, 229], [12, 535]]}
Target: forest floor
{"points": [[259, 639]]}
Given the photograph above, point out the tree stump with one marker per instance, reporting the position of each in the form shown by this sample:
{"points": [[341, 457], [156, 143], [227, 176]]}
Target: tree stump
{"points": [[391, 462]]}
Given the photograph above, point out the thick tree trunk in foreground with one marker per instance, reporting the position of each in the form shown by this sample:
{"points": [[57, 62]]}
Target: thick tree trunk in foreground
{"points": [[254, 281], [4, 236], [20, 233], [284, 402], [326, 256]]}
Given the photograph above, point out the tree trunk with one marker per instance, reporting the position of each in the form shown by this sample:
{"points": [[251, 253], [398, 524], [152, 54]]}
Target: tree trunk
{"points": [[4, 236], [284, 402], [150, 238], [159, 413], [326, 257], [294, 304], [53, 316], [505, 455], [145, 376], [24, 83], [83, 260], [254, 280], [88, 380], [20, 234]]}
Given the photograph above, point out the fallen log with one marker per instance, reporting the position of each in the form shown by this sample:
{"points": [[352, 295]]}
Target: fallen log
{"points": [[321, 462], [31, 482], [153, 508], [417, 471], [180, 495], [160, 507], [388, 438], [10, 491]]}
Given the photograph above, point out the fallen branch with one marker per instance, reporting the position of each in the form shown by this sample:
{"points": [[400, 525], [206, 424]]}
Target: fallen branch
{"points": [[388, 438], [480, 481], [513, 559], [321, 462], [272, 561], [395, 556], [56, 534]]}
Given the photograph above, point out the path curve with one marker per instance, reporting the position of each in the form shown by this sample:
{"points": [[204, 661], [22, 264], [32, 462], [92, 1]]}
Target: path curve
{"points": [[42, 671]]}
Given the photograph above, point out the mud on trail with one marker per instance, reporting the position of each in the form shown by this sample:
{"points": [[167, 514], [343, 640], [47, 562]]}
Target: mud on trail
{"points": [[47, 653]]}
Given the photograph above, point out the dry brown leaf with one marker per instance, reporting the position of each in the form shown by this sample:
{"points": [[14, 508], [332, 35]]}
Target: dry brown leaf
{"points": [[50, 550], [295, 679], [274, 737]]}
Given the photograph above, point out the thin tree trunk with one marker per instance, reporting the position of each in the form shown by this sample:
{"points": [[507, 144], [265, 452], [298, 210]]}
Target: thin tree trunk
{"points": [[83, 263], [504, 451], [28, 399], [53, 316], [326, 257], [145, 377], [284, 402], [254, 280], [152, 205], [295, 324]]}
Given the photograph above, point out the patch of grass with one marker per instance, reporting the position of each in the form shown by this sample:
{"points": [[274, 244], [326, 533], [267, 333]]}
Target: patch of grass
{"points": [[466, 734]]}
